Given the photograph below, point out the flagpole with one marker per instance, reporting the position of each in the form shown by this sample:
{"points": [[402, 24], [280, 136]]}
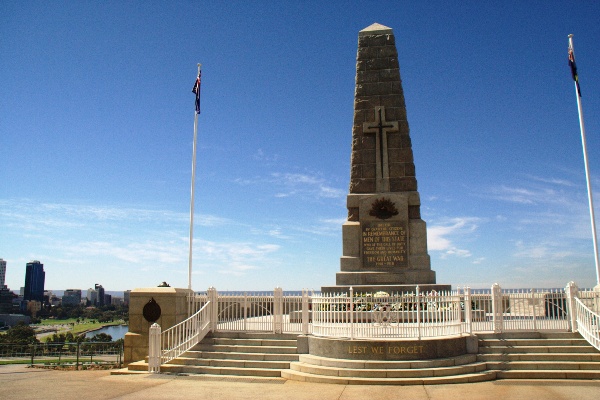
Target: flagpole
{"points": [[587, 168], [192, 190]]}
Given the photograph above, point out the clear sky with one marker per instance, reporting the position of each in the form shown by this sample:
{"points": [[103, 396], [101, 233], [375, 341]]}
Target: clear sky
{"points": [[96, 131]]}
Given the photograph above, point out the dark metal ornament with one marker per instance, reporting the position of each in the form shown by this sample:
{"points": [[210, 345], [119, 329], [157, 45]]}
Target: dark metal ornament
{"points": [[151, 311], [383, 209]]}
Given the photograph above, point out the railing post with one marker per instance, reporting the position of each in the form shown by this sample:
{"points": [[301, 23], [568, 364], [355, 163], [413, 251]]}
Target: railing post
{"points": [[350, 307], [277, 310], [571, 292], [245, 305], [468, 311], [213, 312], [305, 316], [497, 311], [154, 349], [533, 303], [418, 298]]}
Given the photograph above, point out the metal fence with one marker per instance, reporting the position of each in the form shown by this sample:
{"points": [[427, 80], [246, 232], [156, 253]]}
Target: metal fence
{"points": [[81, 355]]}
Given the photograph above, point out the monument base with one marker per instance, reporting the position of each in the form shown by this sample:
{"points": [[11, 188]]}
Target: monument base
{"points": [[392, 349], [389, 289]]}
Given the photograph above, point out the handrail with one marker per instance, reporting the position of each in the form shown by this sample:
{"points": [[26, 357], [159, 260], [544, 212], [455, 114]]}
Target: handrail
{"points": [[177, 339], [588, 324]]}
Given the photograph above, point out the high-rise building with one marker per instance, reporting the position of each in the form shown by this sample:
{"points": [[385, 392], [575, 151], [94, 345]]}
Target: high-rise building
{"points": [[71, 297], [2, 273], [126, 295], [100, 291], [92, 296], [34, 281]]}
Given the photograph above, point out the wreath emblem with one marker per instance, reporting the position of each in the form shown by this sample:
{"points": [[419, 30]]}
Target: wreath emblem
{"points": [[383, 209]]}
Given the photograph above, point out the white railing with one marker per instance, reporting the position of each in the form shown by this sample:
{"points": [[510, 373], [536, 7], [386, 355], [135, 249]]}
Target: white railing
{"points": [[588, 324], [170, 344], [380, 315]]}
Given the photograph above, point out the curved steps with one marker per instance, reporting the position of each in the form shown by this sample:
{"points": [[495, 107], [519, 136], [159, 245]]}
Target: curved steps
{"points": [[460, 369]]}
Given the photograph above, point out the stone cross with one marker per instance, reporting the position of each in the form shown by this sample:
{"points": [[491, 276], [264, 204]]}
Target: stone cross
{"points": [[380, 128]]}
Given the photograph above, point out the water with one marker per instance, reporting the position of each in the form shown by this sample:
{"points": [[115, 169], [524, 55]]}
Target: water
{"points": [[116, 331]]}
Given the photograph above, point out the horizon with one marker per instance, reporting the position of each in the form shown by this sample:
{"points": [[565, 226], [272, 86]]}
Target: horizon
{"points": [[96, 140]]}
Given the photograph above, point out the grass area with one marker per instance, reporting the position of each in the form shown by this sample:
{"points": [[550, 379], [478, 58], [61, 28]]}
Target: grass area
{"points": [[75, 328]]}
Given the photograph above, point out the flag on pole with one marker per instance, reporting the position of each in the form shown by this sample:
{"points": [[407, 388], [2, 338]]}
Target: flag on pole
{"points": [[196, 90], [574, 69]]}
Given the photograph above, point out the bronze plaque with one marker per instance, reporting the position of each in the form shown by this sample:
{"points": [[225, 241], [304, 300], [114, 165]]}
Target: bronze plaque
{"points": [[384, 244]]}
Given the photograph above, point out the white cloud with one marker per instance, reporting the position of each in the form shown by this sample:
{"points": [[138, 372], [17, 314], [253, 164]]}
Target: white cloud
{"points": [[442, 237]]}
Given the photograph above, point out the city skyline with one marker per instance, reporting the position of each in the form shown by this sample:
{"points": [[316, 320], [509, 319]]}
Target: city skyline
{"points": [[97, 129]]}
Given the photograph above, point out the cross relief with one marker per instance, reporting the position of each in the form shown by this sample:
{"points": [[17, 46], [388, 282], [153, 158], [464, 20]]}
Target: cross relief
{"points": [[380, 129]]}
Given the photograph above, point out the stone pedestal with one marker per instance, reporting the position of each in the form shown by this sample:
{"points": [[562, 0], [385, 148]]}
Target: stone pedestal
{"points": [[173, 304]]}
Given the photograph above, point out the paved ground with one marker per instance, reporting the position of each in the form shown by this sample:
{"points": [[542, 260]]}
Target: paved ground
{"points": [[21, 382]]}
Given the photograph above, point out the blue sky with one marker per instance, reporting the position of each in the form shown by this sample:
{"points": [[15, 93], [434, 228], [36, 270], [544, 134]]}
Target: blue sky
{"points": [[96, 132]]}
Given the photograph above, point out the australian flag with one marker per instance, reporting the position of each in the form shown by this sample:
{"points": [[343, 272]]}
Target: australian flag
{"points": [[196, 90], [574, 70]]}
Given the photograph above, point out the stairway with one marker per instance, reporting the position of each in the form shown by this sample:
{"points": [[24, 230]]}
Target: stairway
{"points": [[539, 355], [255, 354], [461, 369]]}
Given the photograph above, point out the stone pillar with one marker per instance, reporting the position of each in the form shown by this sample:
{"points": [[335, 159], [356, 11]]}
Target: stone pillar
{"points": [[384, 238], [173, 305]]}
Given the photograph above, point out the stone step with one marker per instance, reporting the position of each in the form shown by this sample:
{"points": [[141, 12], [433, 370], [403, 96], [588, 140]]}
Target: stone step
{"points": [[536, 349], [242, 356], [365, 364], [244, 348], [529, 335], [543, 365], [253, 335], [233, 363], [251, 342], [436, 380], [532, 342], [548, 374], [199, 369], [388, 373], [542, 357]]}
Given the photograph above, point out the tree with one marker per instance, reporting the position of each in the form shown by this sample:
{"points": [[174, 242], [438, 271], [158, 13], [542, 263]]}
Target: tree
{"points": [[20, 334]]}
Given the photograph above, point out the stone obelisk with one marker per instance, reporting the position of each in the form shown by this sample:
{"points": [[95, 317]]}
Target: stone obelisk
{"points": [[384, 237]]}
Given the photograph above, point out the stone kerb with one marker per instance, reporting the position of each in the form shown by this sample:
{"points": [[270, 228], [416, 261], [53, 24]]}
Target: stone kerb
{"points": [[173, 303]]}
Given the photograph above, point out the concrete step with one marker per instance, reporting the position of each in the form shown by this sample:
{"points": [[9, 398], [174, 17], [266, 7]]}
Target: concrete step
{"points": [[435, 380], [251, 342], [253, 335], [529, 335], [541, 357], [242, 356], [198, 369], [548, 374], [543, 365], [231, 363], [533, 342], [364, 364], [388, 373], [536, 349], [245, 348]]}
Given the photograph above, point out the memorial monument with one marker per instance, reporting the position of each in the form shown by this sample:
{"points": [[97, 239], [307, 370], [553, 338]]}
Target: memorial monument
{"points": [[384, 237]]}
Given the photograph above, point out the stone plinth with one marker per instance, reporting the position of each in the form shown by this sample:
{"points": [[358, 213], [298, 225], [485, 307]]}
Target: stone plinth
{"points": [[388, 350], [173, 303]]}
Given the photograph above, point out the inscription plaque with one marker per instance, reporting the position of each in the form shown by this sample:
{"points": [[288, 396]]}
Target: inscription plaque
{"points": [[384, 244]]}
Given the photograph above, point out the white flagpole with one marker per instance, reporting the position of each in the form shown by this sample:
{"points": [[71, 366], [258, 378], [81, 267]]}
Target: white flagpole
{"points": [[587, 170], [192, 196]]}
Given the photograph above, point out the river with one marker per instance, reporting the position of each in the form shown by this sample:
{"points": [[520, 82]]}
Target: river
{"points": [[116, 331]]}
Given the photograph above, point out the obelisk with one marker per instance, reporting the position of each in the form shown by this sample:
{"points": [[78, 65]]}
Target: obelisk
{"points": [[384, 237]]}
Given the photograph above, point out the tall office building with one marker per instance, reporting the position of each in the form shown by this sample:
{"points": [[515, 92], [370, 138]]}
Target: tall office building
{"points": [[71, 297], [34, 281], [2, 273], [100, 291]]}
